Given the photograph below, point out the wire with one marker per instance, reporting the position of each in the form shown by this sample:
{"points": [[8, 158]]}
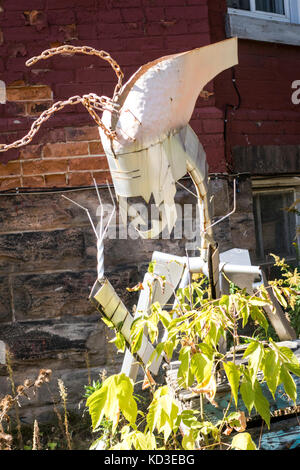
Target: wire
{"points": [[228, 106]]}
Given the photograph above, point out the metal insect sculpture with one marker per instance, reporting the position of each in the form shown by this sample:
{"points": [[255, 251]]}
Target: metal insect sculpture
{"points": [[149, 146]]}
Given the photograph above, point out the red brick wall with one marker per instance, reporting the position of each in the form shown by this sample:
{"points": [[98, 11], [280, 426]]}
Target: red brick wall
{"points": [[264, 80], [67, 151]]}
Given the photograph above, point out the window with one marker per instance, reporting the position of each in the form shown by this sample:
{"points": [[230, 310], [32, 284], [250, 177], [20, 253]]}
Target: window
{"points": [[275, 21], [275, 227], [273, 9]]}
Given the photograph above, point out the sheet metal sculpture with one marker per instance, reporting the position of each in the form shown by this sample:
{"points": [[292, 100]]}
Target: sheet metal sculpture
{"points": [[150, 146]]}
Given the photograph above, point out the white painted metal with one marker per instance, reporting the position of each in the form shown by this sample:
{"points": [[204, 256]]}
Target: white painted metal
{"points": [[155, 146], [2, 92], [2, 353], [109, 303]]}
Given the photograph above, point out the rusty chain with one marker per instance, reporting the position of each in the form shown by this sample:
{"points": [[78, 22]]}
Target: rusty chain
{"points": [[68, 49], [90, 101]]}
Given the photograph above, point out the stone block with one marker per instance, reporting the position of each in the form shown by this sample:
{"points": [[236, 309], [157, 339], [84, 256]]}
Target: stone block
{"points": [[52, 294], [40, 251], [243, 231], [60, 342], [5, 300]]}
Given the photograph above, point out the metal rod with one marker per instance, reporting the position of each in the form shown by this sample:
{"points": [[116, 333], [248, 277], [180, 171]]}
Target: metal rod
{"points": [[86, 210], [230, 213]]}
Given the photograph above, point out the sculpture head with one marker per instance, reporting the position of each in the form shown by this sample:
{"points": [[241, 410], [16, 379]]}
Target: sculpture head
{"points": [[154, 146]]}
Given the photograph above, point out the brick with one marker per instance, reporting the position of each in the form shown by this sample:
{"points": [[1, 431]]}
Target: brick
{"points": [[216, 159], [188, 12], [176, 26], [33, 182], [149, 42], [61, 17], [41, 167], [14, 64], [109, 17], [102, 177], [90, 74], [188, 41], [95, 163], [51, 135], [48, 77], [9, 183], [36, 18], [31, 152], [9, 155], [25, 33], [80, 179], [23, 4], [55, 181], [35, 109], [10, 169], [15, 109], [13, 18], [212, 126], [96, 148], [29, 93], [132, 14], [155, 13], [65, 90], [58, 4], [82, 133], [65, 149]]}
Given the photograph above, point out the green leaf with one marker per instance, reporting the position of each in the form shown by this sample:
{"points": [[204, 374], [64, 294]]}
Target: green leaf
{"points": [[245, 312], [261, 404], [279, 296], [201, 368], [271, 370], [256, 301], [233, 374], [165, 318], [119, 342], [258, 316], [151, 267], [247, 393], [163, 413], [251, 348], [255, 353], [115, 395], [169, 348], [188, 441], [288, 356], [294, 368], [288, 383], [185, 375], [136, 339], [243, 441]]}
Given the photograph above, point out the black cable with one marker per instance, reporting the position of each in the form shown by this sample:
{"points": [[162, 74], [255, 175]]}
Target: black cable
{"points": [[231, 106]]}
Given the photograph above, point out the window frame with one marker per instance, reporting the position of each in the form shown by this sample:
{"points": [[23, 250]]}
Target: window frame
{"points": [[292, 12], [267, 186]]}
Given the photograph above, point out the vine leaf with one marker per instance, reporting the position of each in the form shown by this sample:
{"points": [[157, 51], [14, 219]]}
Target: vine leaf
{"points": [[115, 396], [243, 442]]}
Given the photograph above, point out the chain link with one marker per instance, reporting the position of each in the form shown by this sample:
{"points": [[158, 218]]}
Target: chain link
{"points": [[90, 101], [68, 49]]}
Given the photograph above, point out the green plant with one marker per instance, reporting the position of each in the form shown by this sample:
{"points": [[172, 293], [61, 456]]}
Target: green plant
{"points": [[195, 327], [290, 282]]}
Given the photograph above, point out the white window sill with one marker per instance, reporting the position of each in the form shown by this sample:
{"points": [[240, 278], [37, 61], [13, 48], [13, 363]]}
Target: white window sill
{"points": [[261, 29]]}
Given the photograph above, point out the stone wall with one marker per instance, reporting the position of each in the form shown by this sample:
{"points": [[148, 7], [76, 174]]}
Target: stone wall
{"points": [[47, 269]]}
